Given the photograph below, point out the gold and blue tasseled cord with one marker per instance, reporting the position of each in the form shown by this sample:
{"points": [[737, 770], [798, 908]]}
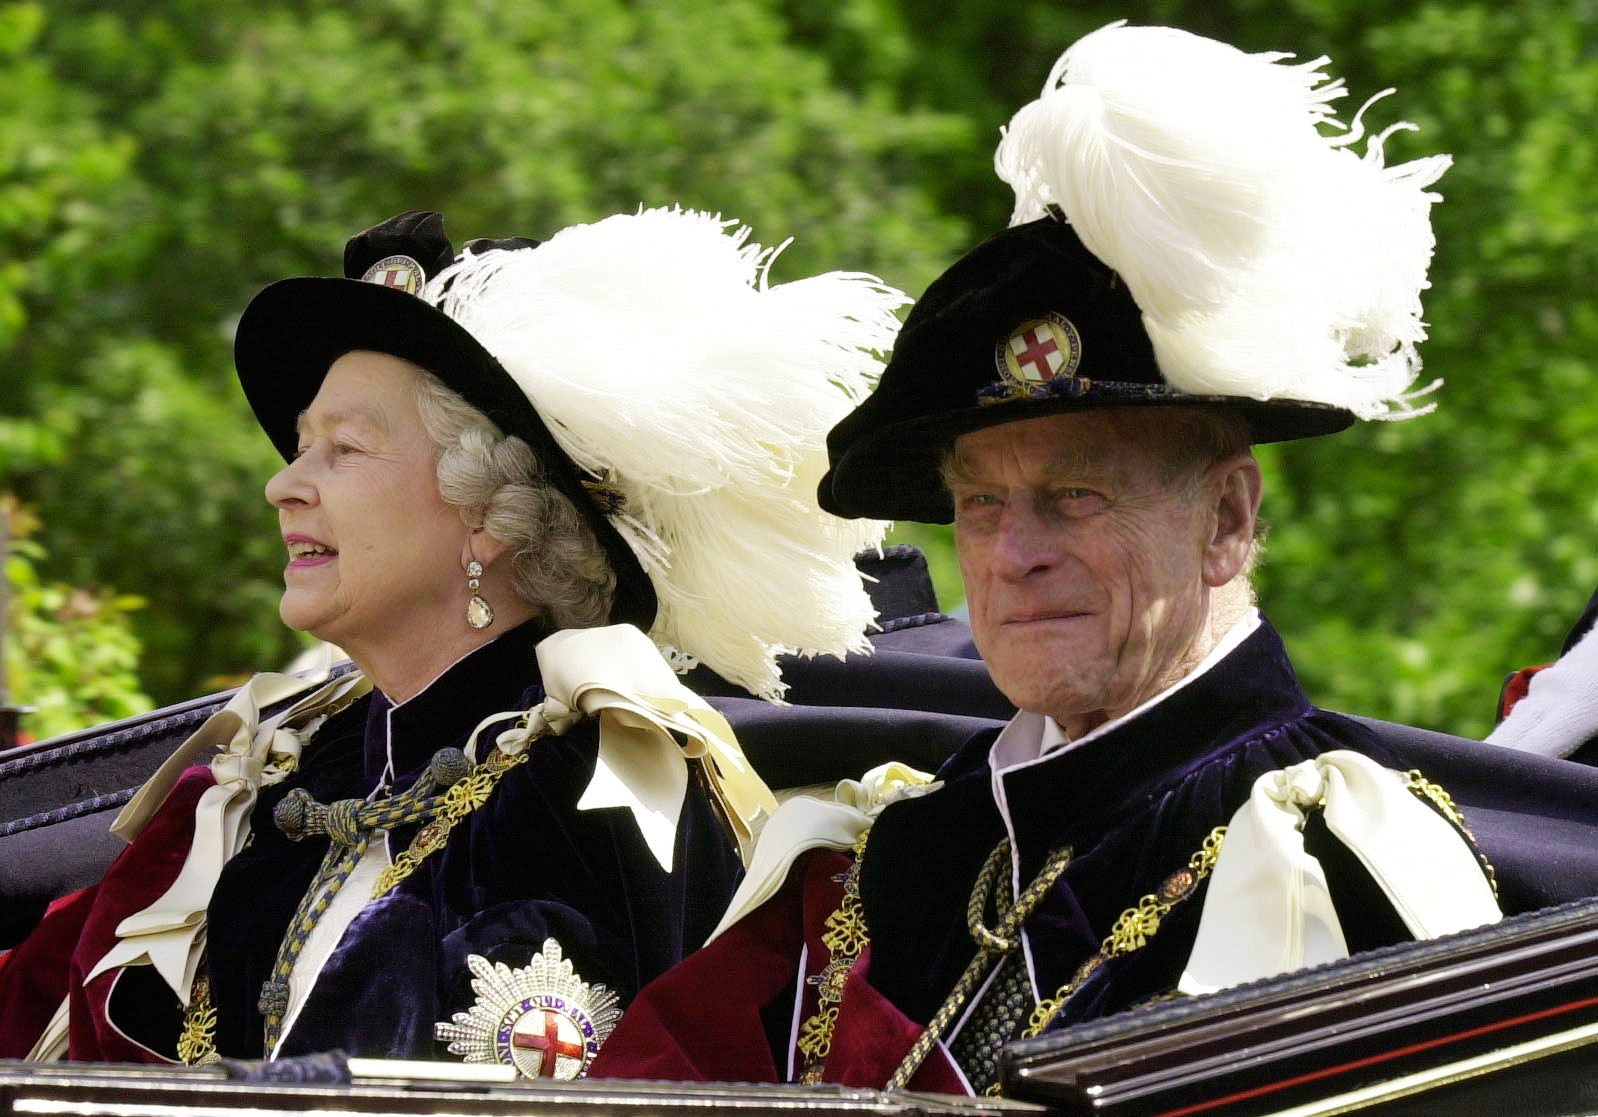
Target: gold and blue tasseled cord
{"points": [[350, 824]]}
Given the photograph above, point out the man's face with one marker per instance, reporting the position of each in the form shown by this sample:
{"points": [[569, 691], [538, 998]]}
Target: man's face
{"points": [[1083, 562]]}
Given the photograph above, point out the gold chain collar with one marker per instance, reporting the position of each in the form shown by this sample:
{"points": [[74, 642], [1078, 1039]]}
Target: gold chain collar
{"points": [[1135, 926], [846, 937]]}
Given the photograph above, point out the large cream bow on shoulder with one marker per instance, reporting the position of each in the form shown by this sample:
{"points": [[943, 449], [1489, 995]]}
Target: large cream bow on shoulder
{"points": [[650, 726], [1268, 910], [250, 754]]}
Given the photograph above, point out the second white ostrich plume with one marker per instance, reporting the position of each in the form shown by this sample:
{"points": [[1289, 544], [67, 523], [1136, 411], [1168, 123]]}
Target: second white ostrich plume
{"points": [[1270, 258]]}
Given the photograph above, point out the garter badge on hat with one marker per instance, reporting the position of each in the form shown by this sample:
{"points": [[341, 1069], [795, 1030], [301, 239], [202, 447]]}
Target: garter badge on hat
{"points": [[397, 271], [1038, 358], [542, 1019]]}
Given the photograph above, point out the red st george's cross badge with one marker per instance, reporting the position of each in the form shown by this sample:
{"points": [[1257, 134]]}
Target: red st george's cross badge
{"points": [[397, 271], [1038, 351], [542, 1019]]}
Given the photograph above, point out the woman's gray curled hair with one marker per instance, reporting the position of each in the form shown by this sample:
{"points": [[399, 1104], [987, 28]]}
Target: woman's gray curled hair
{"points": [[497, 483]]}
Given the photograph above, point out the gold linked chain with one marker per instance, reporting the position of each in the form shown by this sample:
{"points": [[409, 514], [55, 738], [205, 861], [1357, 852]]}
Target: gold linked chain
{"points": [[197, 1043], [1135, 926], [845, 937]]}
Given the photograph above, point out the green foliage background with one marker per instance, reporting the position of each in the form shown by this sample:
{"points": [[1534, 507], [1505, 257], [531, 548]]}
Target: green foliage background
{"points": [[71, 651], [160, 160]]}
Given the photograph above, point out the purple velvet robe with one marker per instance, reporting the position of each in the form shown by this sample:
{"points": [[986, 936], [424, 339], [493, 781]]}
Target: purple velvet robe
{"points": [[525, 866]]}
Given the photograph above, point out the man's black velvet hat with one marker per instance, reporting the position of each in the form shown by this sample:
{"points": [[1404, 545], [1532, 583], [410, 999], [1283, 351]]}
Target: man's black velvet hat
{"points": [[1028, 323], [295, 329]]}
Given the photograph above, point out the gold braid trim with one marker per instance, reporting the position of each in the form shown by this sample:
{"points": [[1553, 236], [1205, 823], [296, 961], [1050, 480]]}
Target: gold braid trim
{"points": [[460, 800], [1135, 927], [197, 1043], [1423, 788], [845, 937]]}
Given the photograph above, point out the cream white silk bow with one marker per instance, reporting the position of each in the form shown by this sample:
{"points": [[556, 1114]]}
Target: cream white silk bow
{"points": [[250, 754], [1268, 910], [650, 726], [806, 822]]}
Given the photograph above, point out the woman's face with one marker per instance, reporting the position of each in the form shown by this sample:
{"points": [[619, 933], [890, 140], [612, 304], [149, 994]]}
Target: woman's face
{"points": [[374, 552]]}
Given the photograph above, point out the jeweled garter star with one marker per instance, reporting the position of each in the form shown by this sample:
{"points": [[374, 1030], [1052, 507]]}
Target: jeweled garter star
{"points": [[543, 1019]]}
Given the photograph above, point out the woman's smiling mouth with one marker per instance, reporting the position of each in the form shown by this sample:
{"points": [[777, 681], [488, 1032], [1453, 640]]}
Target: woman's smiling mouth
{"points": [[305, 551]]}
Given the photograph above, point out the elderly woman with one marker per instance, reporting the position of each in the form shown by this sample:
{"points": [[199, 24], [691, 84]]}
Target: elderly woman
{"points": [[501, 466]]}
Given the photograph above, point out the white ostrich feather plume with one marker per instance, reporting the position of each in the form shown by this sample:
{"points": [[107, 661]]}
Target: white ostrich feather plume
{"points": [[1270, 259], [663, 362]]}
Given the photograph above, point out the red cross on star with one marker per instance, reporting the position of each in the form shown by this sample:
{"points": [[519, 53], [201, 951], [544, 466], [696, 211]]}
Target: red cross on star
{"points": [[549, 1044]]}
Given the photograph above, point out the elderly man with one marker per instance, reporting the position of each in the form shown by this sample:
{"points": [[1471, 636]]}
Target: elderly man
{"points": [[1168, 813]]}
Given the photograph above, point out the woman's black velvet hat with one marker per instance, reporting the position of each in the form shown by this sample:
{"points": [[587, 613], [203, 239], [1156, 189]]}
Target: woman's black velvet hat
{"points": [[295, 329], [1028, 323]]}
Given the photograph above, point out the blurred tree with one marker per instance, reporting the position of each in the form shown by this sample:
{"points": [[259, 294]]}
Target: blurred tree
{"points": [[160, 161], [1427, 559], [70, 651], [169, 159]]}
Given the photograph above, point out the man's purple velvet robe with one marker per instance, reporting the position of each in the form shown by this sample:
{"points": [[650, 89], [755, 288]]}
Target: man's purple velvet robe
{"points": [[1133, 805]]}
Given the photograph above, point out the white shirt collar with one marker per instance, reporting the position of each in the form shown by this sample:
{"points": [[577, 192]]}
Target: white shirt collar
{"points": [[1031, 735]]}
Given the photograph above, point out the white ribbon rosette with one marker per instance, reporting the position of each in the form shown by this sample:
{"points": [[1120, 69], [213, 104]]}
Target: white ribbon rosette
{"points": [[805, 823], [1268, 910]]}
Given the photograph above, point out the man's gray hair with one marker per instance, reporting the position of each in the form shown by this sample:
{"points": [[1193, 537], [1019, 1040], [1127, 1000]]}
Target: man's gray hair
{"points": [[497, 483], [1196, 438]]}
